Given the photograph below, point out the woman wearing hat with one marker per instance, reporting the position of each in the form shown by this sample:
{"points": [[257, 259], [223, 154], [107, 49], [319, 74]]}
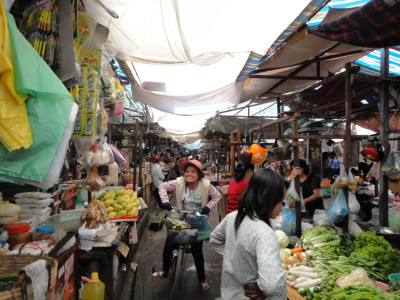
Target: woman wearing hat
{"points": [[243, 172], [192, 192]]}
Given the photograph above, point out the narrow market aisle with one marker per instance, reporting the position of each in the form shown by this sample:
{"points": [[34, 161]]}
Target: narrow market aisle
{"points": [[149, 257]]}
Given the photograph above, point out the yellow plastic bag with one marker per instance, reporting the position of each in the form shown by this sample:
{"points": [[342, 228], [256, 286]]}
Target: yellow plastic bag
{"points": [[15, 131]]}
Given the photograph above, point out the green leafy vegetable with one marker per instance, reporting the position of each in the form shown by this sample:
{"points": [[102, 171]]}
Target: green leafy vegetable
{"points": [[394, 285], [376, 248], [346, 245]]}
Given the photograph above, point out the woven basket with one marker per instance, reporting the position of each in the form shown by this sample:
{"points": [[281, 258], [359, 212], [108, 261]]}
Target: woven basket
{"points": [[13, 264]]}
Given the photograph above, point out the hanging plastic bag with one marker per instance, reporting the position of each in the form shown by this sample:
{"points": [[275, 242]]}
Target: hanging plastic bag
{"points": [[351, 182], [107, 148], [289, 221], [338, 149], [354, 206], [373, 172], [341, 180], [292, 196], [204, 229], [320, 217], [119, 159], [391, 167], [338, 209]]}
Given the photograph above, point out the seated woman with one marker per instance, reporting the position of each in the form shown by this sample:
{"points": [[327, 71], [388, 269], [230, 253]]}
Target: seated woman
{"points": [[310, 185], [247, 240], [243, 172]]}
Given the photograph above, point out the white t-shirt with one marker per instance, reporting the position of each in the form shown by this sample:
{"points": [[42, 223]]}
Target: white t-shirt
{"points": [[191, 200]]}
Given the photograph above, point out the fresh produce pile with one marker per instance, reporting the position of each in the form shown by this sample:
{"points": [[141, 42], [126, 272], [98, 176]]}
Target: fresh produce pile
{"points": [[119, 202], [359, 264]]}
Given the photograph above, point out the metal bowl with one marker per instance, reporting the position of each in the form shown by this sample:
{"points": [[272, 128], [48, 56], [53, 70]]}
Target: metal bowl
{"points": [[385, 230]]}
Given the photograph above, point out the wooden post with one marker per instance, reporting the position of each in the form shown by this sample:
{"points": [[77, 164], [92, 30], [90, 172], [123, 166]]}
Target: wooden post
{"points": [[347, 138], [134, 154], [278, 107], [384, 137], [239, 139], [232, 155], [295, 144], [140, 160]]}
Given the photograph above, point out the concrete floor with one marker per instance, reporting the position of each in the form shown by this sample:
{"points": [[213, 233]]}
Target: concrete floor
{"points": [[149, 258]]}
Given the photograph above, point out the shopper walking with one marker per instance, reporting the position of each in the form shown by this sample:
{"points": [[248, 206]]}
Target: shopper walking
{"points": [[158, 178], [192, 192], [251, 264]]}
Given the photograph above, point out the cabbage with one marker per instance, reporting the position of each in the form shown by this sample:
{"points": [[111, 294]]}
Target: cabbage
{"points": [[283, 252], [283, 239]]}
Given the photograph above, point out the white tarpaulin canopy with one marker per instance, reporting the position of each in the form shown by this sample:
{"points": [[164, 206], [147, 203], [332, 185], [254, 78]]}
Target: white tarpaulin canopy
{"points": [[227, 96], [207, 35], [178, 125], [192, 31]]}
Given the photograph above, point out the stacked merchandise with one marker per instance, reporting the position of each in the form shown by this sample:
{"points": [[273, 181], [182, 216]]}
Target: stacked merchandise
{"points": [[34, 205], [8, 212]]}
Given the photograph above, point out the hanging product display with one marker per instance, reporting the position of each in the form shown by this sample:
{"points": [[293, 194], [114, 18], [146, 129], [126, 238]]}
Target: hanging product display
{"points": [[86, 94], [41, 27]]}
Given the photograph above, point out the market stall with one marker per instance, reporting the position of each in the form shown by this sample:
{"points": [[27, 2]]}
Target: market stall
{"points": [[325, 265]]}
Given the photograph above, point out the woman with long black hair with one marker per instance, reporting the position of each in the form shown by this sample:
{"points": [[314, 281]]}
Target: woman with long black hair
{"points": [[243, 172], [251, 264]]}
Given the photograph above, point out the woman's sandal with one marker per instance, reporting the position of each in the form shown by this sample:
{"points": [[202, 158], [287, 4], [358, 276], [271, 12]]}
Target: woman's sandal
{"points": [[205, 286], [160, 274]]}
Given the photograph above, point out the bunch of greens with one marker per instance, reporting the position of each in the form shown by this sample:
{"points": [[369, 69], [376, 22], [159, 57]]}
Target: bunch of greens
{"points": [[334, 266], [290, 197], [394, 285], [358, 292], [375, 248], [346, 245], [320, 238]]}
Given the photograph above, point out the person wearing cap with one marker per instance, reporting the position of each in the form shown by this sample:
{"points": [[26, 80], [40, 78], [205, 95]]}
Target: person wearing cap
{"points": [[243, 172], [158, 178], [192, 192]]}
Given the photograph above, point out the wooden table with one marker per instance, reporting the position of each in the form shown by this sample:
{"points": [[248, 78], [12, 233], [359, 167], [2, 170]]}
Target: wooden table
{"points": [[292, 294]]}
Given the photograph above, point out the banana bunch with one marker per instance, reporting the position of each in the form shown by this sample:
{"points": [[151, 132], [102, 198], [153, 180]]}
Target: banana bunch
{"points": [[178, 225]]}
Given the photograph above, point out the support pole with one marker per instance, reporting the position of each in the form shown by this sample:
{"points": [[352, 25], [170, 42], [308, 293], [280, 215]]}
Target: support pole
{"points": [[295, 144], [232, 155], [347, 138], [239, 138], [140, 148], [278, 106], [134, 154], [384, 137]]}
